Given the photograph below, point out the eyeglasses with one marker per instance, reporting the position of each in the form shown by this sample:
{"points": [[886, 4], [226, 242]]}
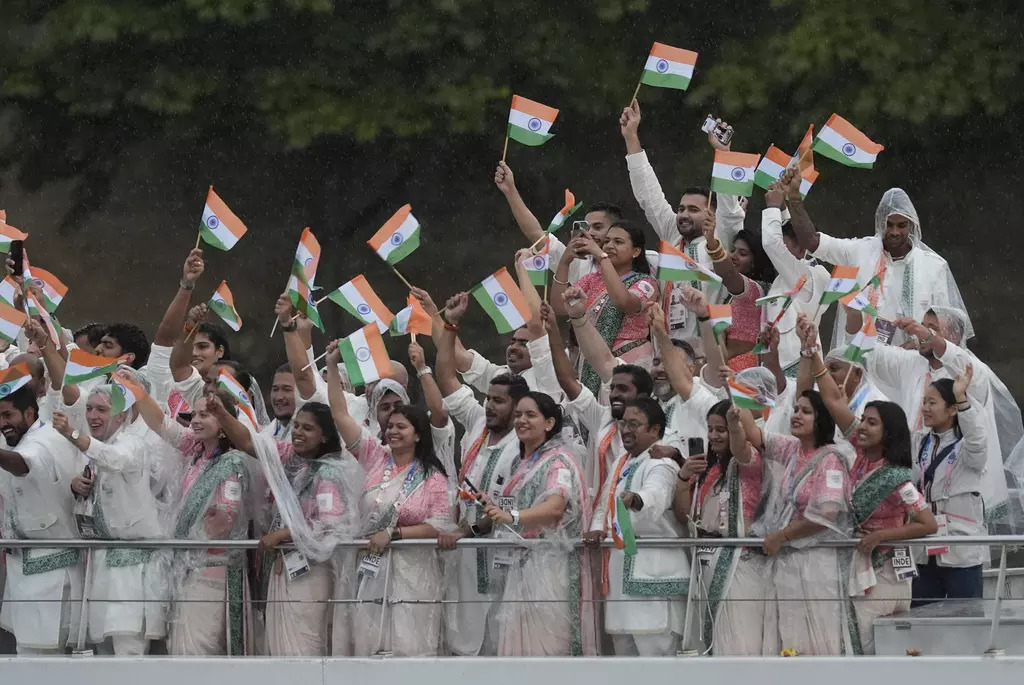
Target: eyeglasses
{"points": [[635, 425]]}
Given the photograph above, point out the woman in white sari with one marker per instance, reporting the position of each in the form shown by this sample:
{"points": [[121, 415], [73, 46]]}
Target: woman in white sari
{"points": [[542, 612], [721, 495], [809, 502], [404, 496]]}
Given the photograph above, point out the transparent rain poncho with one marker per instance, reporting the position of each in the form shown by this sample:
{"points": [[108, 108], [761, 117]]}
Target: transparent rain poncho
{"points": [[383, 387]]}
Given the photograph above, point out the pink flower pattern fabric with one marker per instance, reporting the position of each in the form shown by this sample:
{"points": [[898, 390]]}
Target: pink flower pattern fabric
{"points": [[429, 501], [899, 506], [828, 483], [634, 326], [746, 323]]}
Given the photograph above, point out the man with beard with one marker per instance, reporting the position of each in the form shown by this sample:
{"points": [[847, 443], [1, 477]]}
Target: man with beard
{"points": [[682, 226], [645, 608], [282, 403], [35, 486], [914, 277], [490, 451]]}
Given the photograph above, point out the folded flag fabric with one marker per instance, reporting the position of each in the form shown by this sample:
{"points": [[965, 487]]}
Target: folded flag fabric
{"points": [[840, 141], [413, 319], [503, 301], [358, 299], [529, 121], [13, 379], [771, 167], [223, 305], [82, 366], [748, 398], [789, 294], [567, 210], [307, 257], [7, 234], [862, 343], [301, 296], [9, 289], [622, 529], [537, 267], [398, 237], [675, 265], [53, 290], [226, 381], [364, 356], [843, 283], [733, 173], [123, 395], [669, 67], [36, 308], [721, 319], [808, 175], [862, 300], [220, 227], [11, 322]]}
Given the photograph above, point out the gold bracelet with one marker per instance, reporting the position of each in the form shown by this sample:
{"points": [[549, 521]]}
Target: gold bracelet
{"points": [[821, 373], [555, 279], [718, 253]]}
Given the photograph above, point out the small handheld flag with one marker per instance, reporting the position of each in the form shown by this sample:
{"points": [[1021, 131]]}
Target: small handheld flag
{"points": [[567, 210], [9, 288], [733, 173], [537, 267], [219, 226], [398, 237], [364, 356], [862, 300], [9, 233], [721, 319], [503, 301], [622, 529], [82, 366], [413, 319], [13, 379], [53, 290], [668, 67], [863, 342], [228, 382], [123, 395], [302, 299], [840, 141], [748, 398], [307, 257], [359, 300], [529, 121], [36, 308], [674, 265], [11, 322], [223, 305], [843, 283]]}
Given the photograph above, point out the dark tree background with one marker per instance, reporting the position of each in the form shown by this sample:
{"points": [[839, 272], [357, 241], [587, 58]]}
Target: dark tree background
{"points": [[116, 115]]}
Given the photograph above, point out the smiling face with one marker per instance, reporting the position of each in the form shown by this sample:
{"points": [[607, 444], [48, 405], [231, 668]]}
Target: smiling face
{"points": [[871, 431], [517, 354], [621, 392], [204, 424], [282, 395], [388, 403], [742, 258], [13, 422], [690, 215], [204, 353], [531, 425], [896, 238], [619, 248], [102, 424], [662, 387], [802, 423], [307, 436], [718, 434], [637, 432], [935, 413], [400, 434]]}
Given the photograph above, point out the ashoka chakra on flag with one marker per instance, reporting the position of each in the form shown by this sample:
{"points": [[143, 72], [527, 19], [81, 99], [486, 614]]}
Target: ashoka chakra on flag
{"points": [[538, 262], [397, 239], [849, 149], [662, 66], [534, 124], [213, 221], [363, 354], [500, 299], [363, 309], [738, 173], [5, 390]]}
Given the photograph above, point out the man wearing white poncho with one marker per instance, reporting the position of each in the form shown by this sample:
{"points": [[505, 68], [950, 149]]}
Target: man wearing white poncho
{"points": [[120, 506], [915, 278]]}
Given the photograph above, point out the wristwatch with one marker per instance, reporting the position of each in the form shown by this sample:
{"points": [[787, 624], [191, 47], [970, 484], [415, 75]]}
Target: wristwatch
{"points": [[289, 327], [75, 435], [515, 517], [604, 255], [424, 371]]}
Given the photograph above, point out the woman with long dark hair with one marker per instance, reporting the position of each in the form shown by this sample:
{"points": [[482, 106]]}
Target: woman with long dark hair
{"points": [[404, 496], [542, 611], [885, 504], [616, 295], [721, 496]]}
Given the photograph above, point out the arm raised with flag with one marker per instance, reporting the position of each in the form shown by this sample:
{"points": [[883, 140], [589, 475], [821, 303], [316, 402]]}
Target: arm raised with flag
{"points": [[297, 329], [348, 427], [527, 220], [592, 345], [813, 369]]}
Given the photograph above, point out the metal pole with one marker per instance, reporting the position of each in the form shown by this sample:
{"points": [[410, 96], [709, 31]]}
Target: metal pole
{"points": [[997, 605]]}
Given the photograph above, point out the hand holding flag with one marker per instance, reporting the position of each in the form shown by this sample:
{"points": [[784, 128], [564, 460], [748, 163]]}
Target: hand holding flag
{"points": [[667, 67], [219, 226], [529, 123]]}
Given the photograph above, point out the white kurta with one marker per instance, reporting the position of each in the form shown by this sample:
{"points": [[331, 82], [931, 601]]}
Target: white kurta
{"points": [[688, 418], [540, 376], [467, 621], [602, 430], [791, 270], [44, 586], [660, 574]]}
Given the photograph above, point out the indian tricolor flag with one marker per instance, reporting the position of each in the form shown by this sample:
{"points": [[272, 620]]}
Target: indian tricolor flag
{"points": [[228, 382], [13, 379], [840, 141], [843, 283], [302, 299], [364, 355], [675, 265], [567, 210], [37, 308], [622, 529], [223, 305], [503, 301], [733, 173], [220, 227], [863, 342], [7, 234], [862, 300], [529, 121], [123, 395], [9, 288], [771, 167], [53, 290], [398, 237], [413, 319], [721, 319], [669, 67], [11, 321], [82, 366], [307, 257], [359, 300], [537, 266], [748, 398]]}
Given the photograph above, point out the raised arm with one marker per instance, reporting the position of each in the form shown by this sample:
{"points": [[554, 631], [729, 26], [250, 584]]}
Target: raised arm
{"points": [[431, 393], [297, 338], [927, 338], [53, 360], [592, 345], [236, 432], [813, 366], [803, 227], [181, 353], [790, 267], [695, 301], [738, 443], [564, 372], [721, 260], [560, 281], [972, 423], [170, 325], [348, 427], [619, 294], [770, 338], [463, 357], [525, 284], [647, 190], [677, 366], [528, 224]]}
